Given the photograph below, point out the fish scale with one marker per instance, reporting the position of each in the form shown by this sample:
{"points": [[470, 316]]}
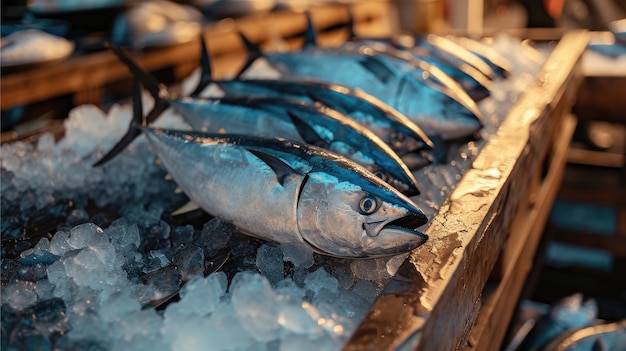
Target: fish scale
{"points": [[282, 191]]}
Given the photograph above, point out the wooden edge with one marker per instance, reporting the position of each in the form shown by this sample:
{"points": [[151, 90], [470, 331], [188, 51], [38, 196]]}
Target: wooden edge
{"points": [[499, 304], [468, 232], [98, 69]]}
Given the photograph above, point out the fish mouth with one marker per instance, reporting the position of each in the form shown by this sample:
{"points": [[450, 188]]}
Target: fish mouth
{"points": [[400, 226]]}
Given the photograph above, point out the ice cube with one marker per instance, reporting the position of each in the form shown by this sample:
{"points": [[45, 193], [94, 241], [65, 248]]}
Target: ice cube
{"points": [[300, 255], [118, 306], [304, 343], [85, 235], [366, 290], [200, 296], [293, 318], [374, 270], [214, 235], [256, 306], [320, 280], [189, 260], [269, 261], [19, 294]]}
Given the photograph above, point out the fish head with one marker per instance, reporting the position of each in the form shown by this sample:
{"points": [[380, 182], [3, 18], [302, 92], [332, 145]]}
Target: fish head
{"points": [[440, 107], [357, 216], [403, 141]]}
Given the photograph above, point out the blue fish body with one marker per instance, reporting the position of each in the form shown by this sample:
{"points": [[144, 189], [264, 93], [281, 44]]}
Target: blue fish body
{"points": [[391, 126], [274, 117], [476, 84], [424, 94], [282, 191]]}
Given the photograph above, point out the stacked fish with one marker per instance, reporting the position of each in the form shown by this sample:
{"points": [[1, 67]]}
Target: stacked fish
{"points": [[326, 155]]}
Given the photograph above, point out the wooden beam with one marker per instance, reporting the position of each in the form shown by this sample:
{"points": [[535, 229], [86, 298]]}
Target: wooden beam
{"points": [[88, 73], [500, 302]]}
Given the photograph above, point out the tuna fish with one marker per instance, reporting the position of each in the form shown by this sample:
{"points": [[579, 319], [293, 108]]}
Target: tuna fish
{"points": [[423, 93], [395, 129], [278, 117], [283, 191]]}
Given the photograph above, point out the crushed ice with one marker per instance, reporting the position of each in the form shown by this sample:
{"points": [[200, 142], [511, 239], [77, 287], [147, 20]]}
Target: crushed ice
{"points": [[91, 258]]}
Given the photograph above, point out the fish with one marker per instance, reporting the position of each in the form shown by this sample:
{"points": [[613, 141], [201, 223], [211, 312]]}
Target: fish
{"points": [[156, 23], [474, 82], [274, 116], [423, 93], [498, 63], [395, 129], [569, 313], [282, 191], [298, 121], [441, 46], [600, 337]]}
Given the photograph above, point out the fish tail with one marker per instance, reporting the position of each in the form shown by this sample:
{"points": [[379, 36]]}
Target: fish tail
{"points": [[254, 53], [133, 129], [158, 91], [205, 65]]}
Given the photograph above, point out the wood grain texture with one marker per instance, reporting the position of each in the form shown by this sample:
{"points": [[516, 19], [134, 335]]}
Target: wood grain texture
{"points": [[85, 75], [445, 277]]}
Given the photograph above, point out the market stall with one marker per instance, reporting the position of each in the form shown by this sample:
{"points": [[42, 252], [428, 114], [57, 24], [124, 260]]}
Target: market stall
{"points": [[487, 201]]}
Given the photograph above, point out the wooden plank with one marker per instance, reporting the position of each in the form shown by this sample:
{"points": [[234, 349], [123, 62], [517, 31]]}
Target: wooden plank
{"points": [[596, 158], [498, 305], [444, 278], [93, 71]]}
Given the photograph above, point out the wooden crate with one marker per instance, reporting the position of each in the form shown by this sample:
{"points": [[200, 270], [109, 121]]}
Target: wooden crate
{"points": [[446, 303], [86, 77]]}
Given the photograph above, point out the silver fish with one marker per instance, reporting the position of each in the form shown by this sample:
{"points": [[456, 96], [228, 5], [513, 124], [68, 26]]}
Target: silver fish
{"points": [[474, 82], [302, 122], [395, 129], [282, 191], [391, 126], [277, 117], [500, 65], [426, 95]]}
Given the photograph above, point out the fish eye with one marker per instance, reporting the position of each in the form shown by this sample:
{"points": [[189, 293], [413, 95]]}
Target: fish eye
{"points": [[397, 139], [368, 205], [382, 175]]}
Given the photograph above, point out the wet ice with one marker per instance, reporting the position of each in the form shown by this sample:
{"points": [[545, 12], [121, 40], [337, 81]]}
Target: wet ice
{"points": [[89, 280]]}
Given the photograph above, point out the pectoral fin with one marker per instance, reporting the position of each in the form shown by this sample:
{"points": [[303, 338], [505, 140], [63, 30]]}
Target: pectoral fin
{"points": [[308, 134], [280, 168]]}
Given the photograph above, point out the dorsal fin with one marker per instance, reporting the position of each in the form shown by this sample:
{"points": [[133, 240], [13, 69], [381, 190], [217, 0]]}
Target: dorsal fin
{"points": [[324, 101], [310, 36], [205, 65], [280, 168], [254, 53], [376, 67], [308, 134]]}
